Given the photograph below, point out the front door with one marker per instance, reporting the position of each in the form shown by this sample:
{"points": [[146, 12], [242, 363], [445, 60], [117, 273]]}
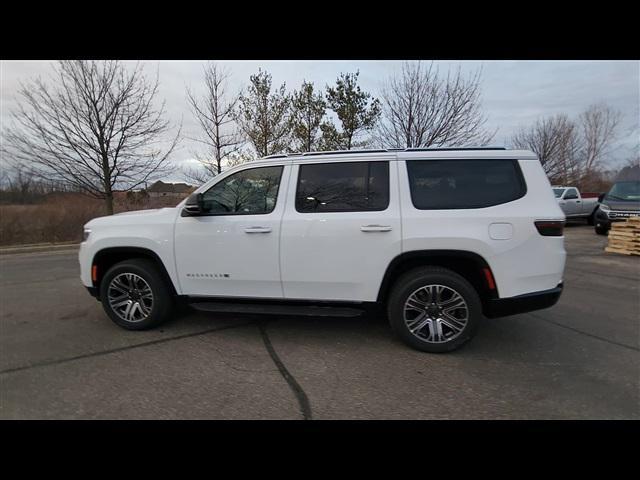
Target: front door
{"points": [[572, 202], [232, 250]]}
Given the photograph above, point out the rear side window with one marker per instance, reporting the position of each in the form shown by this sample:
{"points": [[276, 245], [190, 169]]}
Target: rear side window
{"points": [[456, 184], [343, 187]]}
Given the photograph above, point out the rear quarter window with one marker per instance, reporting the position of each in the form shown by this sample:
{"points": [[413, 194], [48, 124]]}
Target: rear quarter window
{"points": [[460, 184]]}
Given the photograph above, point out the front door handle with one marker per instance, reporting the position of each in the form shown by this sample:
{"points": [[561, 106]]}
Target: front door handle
{"points": [[257, 229], [375, 228]]}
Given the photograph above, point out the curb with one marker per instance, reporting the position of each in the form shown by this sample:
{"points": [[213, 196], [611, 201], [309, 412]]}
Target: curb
{"points": [[39, 248]]}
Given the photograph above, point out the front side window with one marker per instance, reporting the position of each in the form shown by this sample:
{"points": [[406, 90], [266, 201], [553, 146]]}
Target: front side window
{"points": [[571, 194], [343, 187], [249, 192], [456, 184]]}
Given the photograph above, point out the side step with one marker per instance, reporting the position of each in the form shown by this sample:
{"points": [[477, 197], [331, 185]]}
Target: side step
{"points": [[269, 309]]}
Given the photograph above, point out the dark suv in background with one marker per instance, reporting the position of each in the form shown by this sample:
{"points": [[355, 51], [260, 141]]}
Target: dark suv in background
{"points": [[620, 202]]}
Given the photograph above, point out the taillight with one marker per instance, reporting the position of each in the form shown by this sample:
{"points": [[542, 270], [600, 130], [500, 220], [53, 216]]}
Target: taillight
{"points": [[550, 228]]}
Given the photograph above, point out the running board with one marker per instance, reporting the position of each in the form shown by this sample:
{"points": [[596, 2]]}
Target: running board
{"points": [[299, 310]]}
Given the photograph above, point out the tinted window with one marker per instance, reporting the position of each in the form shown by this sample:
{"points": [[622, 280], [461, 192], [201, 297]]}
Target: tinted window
{"points": [[253, 191], [558, 192], [450, 184], [343, 187]]}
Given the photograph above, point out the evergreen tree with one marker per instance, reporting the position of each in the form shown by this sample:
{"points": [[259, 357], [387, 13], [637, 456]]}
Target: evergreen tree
{"points": [[307, 112], [357, 112], [264, 116]]}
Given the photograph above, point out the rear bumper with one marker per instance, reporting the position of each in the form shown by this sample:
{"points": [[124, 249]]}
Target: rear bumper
{"points": [[502, 307]]}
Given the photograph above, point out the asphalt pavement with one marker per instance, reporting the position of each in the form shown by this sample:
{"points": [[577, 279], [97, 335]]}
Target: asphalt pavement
{"points": [[62, 358]]}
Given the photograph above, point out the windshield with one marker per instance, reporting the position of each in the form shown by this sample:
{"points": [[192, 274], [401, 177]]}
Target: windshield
{"points": [[625, 192], [558, 192]]}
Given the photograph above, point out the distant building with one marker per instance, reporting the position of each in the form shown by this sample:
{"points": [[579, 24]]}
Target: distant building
{"points": [[177, 190]]}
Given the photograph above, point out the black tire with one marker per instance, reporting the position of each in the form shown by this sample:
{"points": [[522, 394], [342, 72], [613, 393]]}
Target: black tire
{"points": [[163, 301], [602, 230], [409, 283]]}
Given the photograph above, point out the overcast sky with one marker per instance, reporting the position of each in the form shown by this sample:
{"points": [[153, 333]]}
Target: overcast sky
{"points": [[515, 93]]}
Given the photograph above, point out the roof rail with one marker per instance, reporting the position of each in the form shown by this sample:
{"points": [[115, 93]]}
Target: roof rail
{"points": [[437, 149], [382, 150], [343, 152]]}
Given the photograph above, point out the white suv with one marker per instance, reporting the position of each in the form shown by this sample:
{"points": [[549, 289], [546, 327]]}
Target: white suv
{"points": [[440, 237]]}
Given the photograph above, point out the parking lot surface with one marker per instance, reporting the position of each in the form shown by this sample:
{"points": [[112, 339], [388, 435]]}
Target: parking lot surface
{"points": [[62, 358]]}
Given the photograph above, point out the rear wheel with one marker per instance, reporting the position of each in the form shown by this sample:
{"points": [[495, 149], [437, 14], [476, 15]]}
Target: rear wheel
{"points": [[135, 295], [434, 309]]}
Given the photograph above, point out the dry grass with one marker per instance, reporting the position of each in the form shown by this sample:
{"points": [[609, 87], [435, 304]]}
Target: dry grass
{"points": [[61, 217]]}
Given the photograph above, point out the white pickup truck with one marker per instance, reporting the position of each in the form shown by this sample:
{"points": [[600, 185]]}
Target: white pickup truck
{"points": [[576, 205]]}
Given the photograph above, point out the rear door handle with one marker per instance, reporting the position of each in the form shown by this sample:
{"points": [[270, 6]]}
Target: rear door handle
{"points": [[257, 229], [375, 228]]}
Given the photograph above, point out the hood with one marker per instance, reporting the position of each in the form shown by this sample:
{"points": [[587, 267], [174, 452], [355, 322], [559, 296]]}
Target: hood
{"points": [[133, 217], [621, 205], [137, 212]]}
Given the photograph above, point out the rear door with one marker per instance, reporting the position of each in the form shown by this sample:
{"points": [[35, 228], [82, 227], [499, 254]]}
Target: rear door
{"points": [[341, 228]]}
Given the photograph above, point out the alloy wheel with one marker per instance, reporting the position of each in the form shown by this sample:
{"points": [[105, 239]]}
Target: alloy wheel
{"points": [[436, 313], [130, 297]]}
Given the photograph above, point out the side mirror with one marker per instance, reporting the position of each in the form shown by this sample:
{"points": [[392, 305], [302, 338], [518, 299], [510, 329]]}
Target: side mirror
{"points": [[194, 205], [601, 197]]}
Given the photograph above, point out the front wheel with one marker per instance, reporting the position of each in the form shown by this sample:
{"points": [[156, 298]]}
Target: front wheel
{"points": [[601, 230], [135, 296], [434, 309]]}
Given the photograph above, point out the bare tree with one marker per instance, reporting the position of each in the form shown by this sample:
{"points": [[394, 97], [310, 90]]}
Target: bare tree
{"points": [[214, 113], [95, 127], [571, 152], [422, 109], [201, 176], [554, 140], [598, 124]]}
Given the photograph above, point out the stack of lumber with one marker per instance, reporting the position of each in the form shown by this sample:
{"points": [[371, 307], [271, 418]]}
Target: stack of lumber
{"points": [[624, 237]]}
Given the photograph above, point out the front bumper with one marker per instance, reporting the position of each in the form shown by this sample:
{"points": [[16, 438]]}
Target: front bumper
{"points": [[502, 307], [605, 219]]}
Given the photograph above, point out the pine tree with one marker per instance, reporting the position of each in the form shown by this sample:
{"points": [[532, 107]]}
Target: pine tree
{"points": [[307, 111], [357, 112], [265, 116]]}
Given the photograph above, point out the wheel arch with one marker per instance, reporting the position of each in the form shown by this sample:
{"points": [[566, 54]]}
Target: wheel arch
{"points": [[105, 258], [469, 265]]}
